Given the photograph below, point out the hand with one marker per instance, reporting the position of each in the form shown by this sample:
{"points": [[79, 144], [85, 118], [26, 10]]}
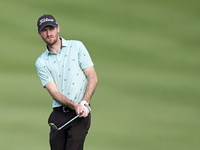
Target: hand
{"points": [[86, 108], [78, 108]]}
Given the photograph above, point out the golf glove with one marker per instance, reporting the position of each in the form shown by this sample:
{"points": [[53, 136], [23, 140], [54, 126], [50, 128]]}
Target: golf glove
{"points": [[86, 106]]}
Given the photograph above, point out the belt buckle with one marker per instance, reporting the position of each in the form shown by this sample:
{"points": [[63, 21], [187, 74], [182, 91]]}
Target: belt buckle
{"points": [[65, 110]]}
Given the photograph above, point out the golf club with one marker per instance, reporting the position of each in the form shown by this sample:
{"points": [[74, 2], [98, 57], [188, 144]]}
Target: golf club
{"points": [[56, 128]]}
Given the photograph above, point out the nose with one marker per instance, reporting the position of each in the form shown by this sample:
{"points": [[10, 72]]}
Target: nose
{"points": [[48, 32]]}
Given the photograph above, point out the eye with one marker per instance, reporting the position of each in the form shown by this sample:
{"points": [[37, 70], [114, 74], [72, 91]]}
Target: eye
{"points": [[43, 30], [52, 28]]}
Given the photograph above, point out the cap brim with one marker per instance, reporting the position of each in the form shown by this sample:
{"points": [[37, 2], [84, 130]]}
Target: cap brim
{"points": [[53, 25]]}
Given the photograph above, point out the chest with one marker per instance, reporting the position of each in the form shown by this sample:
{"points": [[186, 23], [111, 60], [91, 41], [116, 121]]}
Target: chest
{"points": [[65, 60]]}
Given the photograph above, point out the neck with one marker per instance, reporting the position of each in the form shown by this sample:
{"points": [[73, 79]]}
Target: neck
{"points": [[55, 47]]}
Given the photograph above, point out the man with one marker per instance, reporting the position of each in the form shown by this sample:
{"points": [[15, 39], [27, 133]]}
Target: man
{"points": [[66, 71]]}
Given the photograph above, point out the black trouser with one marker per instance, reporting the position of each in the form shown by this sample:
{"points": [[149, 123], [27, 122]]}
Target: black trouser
{"points": [[72, 136]]}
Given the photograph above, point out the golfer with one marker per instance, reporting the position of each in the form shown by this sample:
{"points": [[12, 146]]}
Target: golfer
{"points": [[66, 71]]}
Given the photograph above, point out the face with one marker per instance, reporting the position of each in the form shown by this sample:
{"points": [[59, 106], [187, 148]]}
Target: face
{"points": [[49, 35]]}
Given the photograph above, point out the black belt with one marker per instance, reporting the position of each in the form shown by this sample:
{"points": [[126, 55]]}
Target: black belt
{"points": [[62, 109]]}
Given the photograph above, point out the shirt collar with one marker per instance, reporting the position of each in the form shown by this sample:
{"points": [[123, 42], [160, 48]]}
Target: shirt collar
{"points": [[64, 44]]}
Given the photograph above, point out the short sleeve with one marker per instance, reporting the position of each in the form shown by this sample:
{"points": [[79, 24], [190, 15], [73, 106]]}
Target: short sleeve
{"points": [[43, 72], [85, 60]]}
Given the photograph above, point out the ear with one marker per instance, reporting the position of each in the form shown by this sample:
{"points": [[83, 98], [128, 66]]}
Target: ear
{"points": [[58, 29], [39, 33]]}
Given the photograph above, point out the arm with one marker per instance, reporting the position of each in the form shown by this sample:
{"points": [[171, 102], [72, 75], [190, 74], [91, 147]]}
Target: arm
{"points": [[60, 98], [92, 83]]}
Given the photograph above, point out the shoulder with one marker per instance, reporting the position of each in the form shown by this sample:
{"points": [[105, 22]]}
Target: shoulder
{"points": [[71, 42], [76, 45], [75, 42], [40, 60]]}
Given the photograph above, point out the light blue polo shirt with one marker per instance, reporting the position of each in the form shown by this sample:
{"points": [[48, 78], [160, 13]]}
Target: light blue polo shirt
{"points": [[65, 68]]}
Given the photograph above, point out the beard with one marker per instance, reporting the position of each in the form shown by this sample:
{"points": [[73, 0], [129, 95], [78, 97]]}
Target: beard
{"points": [[51, 40]]}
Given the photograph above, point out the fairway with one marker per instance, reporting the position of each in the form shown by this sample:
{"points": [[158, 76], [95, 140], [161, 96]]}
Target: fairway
{"points": [[147, 58]]}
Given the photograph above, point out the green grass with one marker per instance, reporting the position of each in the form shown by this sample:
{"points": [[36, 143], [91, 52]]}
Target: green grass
{"points": [[146, 55]]}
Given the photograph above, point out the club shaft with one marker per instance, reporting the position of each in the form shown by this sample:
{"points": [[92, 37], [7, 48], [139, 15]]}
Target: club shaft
{"points": [[69, 121]]}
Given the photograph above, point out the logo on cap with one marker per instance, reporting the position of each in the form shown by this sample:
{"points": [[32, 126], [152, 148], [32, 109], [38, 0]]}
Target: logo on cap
{"points": [[45, 20]]}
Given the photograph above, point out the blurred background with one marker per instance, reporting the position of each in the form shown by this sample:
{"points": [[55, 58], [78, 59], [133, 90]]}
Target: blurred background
{"points": [[146, 55]]}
